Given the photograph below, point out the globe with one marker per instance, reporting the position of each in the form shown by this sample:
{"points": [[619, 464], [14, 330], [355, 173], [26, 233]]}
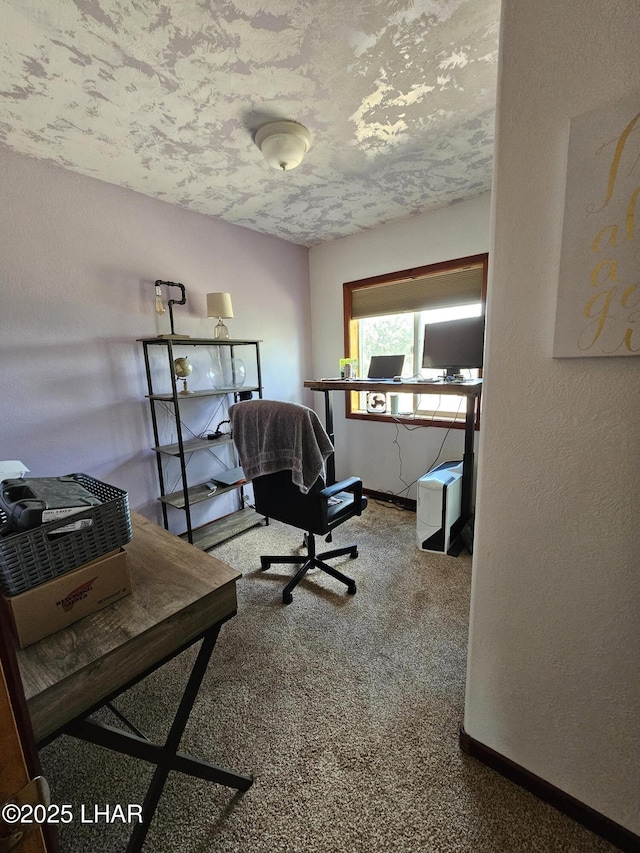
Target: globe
{"points": [[182, 368]]}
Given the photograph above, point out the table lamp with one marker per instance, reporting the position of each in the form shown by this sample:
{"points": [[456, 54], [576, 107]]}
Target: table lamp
{"points": [[160, 309], [219, 305]]}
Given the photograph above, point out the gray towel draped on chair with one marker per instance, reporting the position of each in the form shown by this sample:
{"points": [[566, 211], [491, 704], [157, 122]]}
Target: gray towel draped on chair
{"points": [[273, 436]]}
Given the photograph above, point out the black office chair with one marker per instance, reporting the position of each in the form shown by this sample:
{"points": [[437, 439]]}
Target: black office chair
{"points": [[272, 435]]}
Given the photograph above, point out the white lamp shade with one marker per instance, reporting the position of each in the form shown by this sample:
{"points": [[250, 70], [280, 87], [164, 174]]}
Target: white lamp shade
{"points": [[283, 144], [219, 305]]}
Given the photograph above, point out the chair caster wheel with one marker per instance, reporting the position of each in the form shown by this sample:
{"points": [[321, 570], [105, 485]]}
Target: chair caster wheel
{"points": [[351, 589], [264, 564], [287, 598], [354, 554]]}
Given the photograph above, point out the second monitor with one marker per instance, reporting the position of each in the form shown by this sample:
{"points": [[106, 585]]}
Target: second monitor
{"points": [[454, 345]]}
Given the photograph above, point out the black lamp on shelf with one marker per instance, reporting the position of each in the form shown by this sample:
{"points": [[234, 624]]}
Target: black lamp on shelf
{"points": [[160, 309]]}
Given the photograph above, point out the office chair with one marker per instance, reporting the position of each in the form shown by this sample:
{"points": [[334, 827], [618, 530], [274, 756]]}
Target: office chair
{"points": [[282, 448]]}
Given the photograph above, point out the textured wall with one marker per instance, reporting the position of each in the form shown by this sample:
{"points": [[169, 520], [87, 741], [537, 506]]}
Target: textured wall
{"points": [[79, 258], [553, 680], [451, 232]]}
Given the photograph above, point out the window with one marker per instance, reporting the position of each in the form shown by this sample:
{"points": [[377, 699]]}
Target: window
{"points": [[386, 315]]}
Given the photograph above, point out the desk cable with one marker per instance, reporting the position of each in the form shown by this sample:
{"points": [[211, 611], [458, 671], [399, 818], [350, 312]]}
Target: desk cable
{"points": [[398, 424]]}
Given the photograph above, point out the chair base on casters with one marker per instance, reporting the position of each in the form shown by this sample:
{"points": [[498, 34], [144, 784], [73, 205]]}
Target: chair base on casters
{"points": [[311, 560]]}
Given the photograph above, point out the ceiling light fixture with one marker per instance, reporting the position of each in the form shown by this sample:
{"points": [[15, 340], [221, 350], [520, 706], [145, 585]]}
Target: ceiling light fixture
{"points": [[283, 144]]}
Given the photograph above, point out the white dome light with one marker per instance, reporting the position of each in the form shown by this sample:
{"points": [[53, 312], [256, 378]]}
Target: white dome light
{"points": [[283, 144]]}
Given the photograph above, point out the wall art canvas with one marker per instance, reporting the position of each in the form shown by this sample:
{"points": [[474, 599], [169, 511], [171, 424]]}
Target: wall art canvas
{"points": [[598, 310]]}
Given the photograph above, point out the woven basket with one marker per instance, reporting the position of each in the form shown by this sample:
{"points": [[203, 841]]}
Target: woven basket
{"points": [[39, 555]]}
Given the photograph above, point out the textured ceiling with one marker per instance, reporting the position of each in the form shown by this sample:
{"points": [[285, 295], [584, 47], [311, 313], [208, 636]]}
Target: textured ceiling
{"points": [[165, 97]]}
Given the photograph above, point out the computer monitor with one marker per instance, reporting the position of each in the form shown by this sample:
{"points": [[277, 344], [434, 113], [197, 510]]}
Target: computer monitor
{"points": [[454, 345]]}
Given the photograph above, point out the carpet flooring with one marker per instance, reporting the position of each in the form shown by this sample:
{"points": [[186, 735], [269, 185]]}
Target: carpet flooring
{"points": [[345, 709]]}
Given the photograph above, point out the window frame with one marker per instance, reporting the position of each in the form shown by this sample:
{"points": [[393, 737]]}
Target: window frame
{"points": [[351, 333]]}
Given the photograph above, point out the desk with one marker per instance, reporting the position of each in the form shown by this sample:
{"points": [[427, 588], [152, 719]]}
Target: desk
{"points": [[471, 390], [180, 595]]}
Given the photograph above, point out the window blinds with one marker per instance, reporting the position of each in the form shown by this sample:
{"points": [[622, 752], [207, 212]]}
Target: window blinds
{"points": [[438, 290]]}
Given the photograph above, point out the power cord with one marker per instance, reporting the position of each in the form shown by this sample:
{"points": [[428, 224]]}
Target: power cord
{"points": [[398, 424], [211, 436]]}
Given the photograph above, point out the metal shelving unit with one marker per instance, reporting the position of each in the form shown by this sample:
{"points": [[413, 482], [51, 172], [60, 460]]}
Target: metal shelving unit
{"points": [[189, 494]]}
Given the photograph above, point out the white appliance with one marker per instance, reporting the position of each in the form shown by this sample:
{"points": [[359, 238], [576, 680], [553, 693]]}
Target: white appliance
{"points": [[439, 506]]}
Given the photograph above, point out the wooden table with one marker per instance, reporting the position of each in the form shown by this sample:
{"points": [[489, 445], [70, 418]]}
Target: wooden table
{"points": [[470, 389], [180, 595]]}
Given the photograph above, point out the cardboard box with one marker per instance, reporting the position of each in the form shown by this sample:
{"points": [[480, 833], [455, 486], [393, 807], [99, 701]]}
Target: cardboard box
{"points": [[54, 605]]}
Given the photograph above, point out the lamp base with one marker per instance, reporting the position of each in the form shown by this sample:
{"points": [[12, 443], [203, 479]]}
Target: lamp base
{"points": [[221, 333]]}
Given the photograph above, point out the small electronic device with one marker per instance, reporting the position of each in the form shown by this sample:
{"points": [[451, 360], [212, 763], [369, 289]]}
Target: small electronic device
{"points": [[376, 402], [28, 503], [230, 477], [454, 345]]}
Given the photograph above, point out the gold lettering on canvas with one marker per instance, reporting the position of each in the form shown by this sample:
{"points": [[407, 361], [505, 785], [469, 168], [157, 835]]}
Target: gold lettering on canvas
{"points": [[613, 307]]}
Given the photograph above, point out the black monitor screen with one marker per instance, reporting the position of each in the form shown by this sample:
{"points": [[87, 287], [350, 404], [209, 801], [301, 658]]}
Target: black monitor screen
{"points": [[454, 344]]}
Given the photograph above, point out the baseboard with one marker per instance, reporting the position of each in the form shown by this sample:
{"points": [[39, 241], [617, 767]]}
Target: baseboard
{"points": [[387, 498], [612, 832]]}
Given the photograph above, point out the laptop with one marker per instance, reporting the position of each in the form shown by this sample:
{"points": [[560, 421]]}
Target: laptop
{"points": [[230, 477], [385, 366]]}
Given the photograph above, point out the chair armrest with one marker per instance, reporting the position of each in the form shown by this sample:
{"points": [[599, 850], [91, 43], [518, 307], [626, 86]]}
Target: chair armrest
{"points": [[350, 484]]}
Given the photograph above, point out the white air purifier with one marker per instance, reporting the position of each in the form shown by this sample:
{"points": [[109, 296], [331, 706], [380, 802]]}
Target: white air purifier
{"points": [[439, 506]]}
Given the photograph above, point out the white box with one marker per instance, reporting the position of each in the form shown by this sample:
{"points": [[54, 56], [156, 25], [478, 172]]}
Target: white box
{"points": [[439, 506], [12, 469]]}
